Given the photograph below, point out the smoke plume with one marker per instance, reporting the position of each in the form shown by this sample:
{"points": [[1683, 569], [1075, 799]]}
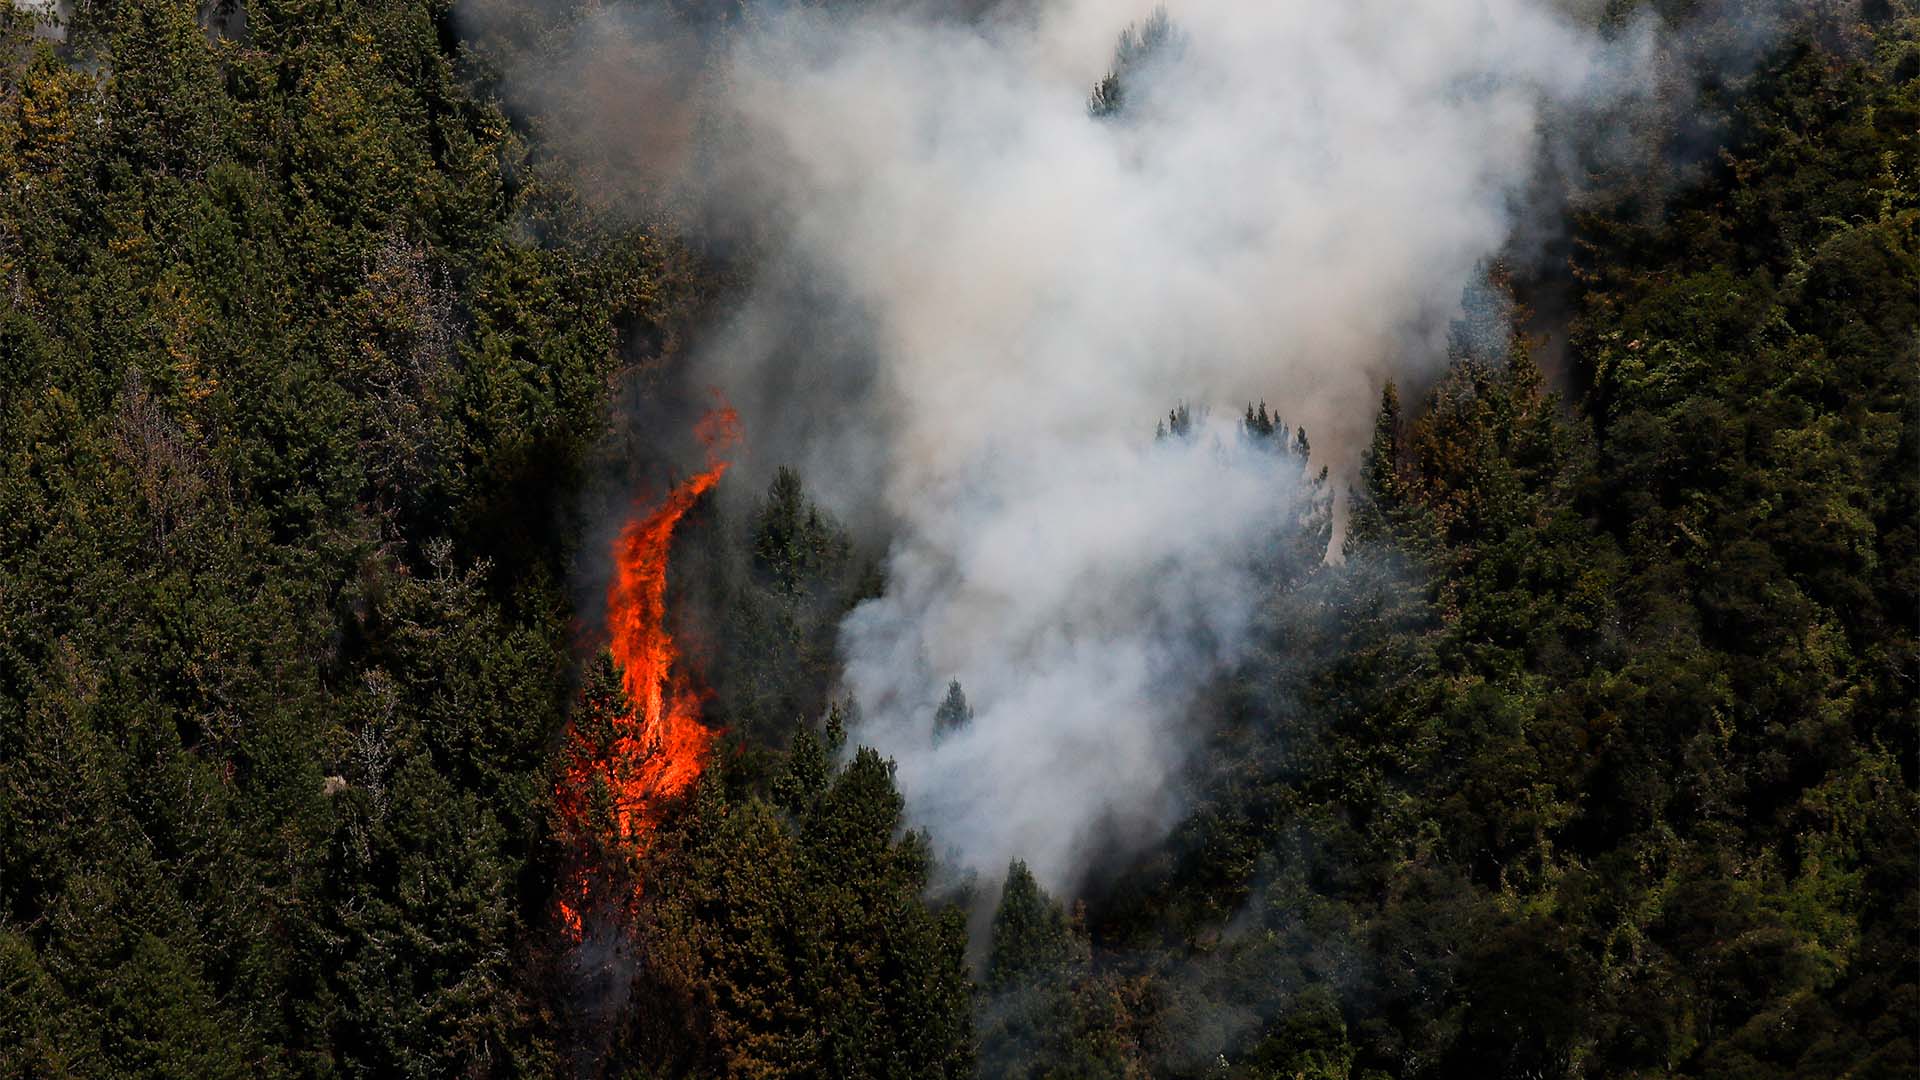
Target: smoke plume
{"points": [[975, 295], [1286, 206]]}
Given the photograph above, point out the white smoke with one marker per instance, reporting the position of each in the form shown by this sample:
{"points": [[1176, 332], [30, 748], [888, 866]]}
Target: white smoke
{"points": [[1081, 586], [1288, 210]]}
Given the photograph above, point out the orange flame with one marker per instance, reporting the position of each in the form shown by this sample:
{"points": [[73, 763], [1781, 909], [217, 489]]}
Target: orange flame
{"points": [[659, 748]]}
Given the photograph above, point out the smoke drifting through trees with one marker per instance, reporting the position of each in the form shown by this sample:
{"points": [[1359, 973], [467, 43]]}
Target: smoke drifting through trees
{"points": [[974, 296]]}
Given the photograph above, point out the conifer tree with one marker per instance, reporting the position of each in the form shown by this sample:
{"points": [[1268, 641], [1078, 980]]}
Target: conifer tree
{"points": [[953, 712], [1031, 938]]}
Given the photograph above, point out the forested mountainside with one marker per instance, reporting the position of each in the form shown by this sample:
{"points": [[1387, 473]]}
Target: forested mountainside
{"points": [[1592, 750]]}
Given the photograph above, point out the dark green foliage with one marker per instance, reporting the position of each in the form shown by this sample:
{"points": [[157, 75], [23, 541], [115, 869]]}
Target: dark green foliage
{"points": [[1309, 1040], [1594, 754], [795, 936], [276, 696], [1046, 1011], [1600, 752], [793, 543], [776, 590], [1375, 506], [1031, 941]]}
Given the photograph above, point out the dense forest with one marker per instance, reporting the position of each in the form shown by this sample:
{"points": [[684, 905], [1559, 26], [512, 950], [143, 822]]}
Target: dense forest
{"points": [[1590, 748]]}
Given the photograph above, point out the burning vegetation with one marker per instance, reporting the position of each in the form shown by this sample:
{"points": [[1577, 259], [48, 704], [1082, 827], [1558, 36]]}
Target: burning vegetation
{"points": [[1594, 753], [626, 758]]}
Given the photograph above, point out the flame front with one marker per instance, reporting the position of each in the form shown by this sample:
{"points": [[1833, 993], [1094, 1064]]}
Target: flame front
{"points": [[659, 747]]}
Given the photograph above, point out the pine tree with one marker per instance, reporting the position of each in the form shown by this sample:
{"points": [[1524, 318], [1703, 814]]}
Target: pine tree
{"points": [[1031, 938], [1371, 508], [953, 712]]}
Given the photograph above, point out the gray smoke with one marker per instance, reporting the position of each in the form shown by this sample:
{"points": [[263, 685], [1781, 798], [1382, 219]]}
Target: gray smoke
{"points": [[972, 299], [1288, 208]]}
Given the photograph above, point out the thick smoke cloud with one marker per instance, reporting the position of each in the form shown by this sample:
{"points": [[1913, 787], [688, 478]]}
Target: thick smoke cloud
{"points": [[1288, 209], [1081, 586], [973, 299]]}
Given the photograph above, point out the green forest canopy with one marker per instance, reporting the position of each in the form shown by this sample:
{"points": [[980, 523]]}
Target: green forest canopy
{"points": [[1595, 756]]}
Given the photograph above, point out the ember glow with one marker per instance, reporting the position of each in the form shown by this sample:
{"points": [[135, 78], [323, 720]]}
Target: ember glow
{"points": [[659, 747]]}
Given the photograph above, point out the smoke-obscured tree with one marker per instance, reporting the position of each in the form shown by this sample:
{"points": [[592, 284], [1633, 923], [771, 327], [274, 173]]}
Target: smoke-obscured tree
{"points": [[777, 586], [1031, 939], [1269, 432], [953, 712], [1258, 425], [1309, 1042], [1045, 1010], [1142, 47], [767, 594], [1373, 504], [841, 715], [793, 543], [1306, 532], [1596, 756], [1177, 425], [1545, 745]]}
